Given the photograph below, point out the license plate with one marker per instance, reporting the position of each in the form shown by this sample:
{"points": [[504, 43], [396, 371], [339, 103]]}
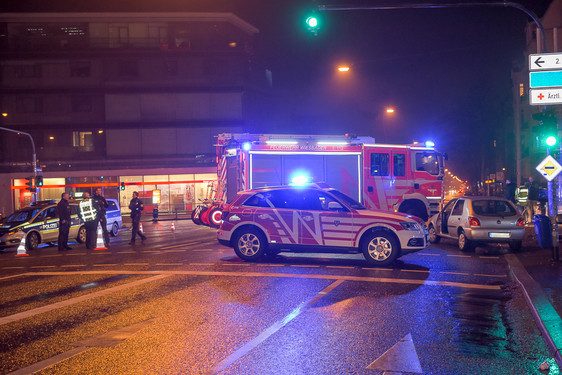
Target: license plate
{"points": [[499, 235]]}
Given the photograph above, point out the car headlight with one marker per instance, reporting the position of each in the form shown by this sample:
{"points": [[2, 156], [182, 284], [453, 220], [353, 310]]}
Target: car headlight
{"points": [[410, 226], [14, 231]]}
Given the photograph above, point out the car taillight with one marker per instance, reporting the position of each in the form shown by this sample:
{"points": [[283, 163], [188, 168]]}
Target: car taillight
{"points": [[521, 222], [473, 222]]}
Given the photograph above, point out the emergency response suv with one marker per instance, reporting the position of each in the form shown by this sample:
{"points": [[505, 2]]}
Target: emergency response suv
{"points": [[39, 224], [300, 218]]}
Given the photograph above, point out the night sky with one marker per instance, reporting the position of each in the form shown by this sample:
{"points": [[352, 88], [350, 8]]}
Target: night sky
{"points": [[445, 71]]}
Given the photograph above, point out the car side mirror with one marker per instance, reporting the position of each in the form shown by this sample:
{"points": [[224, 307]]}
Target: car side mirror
{"points": [[335, 206]]}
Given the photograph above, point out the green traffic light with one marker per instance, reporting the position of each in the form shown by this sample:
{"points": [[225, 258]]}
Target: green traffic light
{"points": [[551, 141], [312, 22]]}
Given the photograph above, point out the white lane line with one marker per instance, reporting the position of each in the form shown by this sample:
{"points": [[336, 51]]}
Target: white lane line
{"points": [[420, 271], [303, 266], [103, 265], [486, 275], [200, 264], [72, 301], [271, 330], [50, 361], [135, 264], [489, 257], [429, 254], [42, 266], [459, 256], [180, 245], [73, 265], [273, 274], [11, 277], [13, 268], [342, 267], [271, 265], [168, 264], [455, 273]]}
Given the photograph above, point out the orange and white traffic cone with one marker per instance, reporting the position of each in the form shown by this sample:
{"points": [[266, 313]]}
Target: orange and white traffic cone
{"points": [[100, 245], [140, 228], [173, 226], [22, 252]]}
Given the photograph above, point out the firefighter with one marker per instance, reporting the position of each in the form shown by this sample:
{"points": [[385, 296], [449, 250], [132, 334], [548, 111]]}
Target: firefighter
{"points": [[101, 205], [136, 208], [63, 212], [88, 215]]}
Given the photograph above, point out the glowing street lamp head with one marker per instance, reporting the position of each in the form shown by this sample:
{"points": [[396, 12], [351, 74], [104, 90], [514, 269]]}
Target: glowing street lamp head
{"points": [[343, 68], [389, 110]]}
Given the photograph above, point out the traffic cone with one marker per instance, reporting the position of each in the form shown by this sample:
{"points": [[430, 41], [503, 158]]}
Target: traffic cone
{"points": [[173, 226], [100, 245], [22, 252], [140, 228]]}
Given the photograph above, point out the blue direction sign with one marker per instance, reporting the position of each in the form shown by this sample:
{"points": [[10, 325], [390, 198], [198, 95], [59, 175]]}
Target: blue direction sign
{"points": [[545, 79]]}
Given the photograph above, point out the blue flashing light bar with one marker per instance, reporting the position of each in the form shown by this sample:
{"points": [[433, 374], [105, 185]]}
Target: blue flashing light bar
{"points": [[429, 144], [246, 146]]}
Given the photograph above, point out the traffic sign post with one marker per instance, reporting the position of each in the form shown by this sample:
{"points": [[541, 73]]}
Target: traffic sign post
{"points": [[549, 168], [545, 79]]}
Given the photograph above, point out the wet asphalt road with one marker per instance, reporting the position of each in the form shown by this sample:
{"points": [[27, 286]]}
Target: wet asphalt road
{"points": [[182, 304]]}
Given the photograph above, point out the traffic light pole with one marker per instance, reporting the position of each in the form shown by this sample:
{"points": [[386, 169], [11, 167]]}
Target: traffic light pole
{"points": [[34, 161]]}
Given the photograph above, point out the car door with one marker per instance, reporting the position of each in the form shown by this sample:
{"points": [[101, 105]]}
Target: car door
{"points": [[455, 219], [275, 211], [50, 229], [442, 218], [324, 220]]}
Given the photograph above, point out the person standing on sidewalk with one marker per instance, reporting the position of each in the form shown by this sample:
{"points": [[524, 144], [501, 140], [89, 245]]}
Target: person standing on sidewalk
{"points": [[136, 208], [101, 205], [63, 212], [532, 198]]}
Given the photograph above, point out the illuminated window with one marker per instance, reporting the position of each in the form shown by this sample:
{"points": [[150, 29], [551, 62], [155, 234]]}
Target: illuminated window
{"points": [[83, 141], [521, 89], [379, 164]]}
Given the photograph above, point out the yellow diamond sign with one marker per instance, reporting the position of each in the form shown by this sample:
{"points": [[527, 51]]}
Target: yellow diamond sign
{"points": [[549, 168]]}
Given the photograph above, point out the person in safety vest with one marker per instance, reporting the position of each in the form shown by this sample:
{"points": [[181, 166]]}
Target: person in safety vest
{"points": [[101, 205], [88, 214]]}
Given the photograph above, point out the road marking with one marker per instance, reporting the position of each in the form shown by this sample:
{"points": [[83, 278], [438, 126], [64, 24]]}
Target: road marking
{"points": [[303, 266], [272, 265], [421, 271], [72, 301], [135, 264], [455, 273], [106, 264], [174, 251], [42, 266], [430, 254], [13, 268], [459, 256], [342, 267], [267, 274], [183, 244], [402, 357], [489, 257], [169, 264], [377, 269], [485, 275], [235, 264], [253, 343], [200, 264], [73, 265], [9, 277], [106, 340]]}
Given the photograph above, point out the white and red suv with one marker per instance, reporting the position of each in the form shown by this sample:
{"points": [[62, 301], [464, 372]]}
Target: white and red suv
{"points": [[269, 220]]}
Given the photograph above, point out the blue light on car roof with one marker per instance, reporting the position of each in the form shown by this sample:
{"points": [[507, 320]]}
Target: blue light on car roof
{"points": [[300, 180], [429, 144]]}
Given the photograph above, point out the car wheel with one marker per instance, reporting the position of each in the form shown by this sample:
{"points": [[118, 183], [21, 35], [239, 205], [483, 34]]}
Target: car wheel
{"points": [[115, 229], [515, 245], [81, 236], [215, 217], [32, 241], [464, 243], [433, 237], [250, 244], [380, 248]]}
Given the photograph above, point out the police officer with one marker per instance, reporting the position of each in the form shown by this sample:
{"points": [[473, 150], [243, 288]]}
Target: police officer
{"points": [[136, 207], [101, 205], [63, 212], [88, 215]]}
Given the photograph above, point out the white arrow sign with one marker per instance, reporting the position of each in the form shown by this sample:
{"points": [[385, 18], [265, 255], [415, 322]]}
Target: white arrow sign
{"points": [[545, 61], [402, 357]]}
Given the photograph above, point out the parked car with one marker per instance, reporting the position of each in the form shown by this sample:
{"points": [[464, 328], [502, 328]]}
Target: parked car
{"points": [[113, 215], [39, 224], [476, 220], [313, 218]]}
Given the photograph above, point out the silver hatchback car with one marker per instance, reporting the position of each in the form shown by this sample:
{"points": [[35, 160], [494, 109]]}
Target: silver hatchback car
{"points": [[478, 219]]}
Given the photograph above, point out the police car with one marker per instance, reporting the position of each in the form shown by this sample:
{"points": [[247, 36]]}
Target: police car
{"points": [[113, 215], [39, 224], [270, 220]]}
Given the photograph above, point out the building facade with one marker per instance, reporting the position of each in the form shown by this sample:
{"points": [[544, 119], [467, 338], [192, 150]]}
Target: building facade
{"points": [[133, 98]]}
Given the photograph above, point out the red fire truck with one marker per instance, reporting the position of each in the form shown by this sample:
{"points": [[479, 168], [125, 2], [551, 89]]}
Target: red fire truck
{"points": [[403, 178]]}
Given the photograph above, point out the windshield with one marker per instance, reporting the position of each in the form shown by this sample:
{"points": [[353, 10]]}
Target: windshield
{"points": [[21, 216], [347, 200], [428, 161]]}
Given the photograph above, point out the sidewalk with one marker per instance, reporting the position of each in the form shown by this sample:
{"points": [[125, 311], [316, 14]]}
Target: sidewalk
{"points": [[540, 279]]}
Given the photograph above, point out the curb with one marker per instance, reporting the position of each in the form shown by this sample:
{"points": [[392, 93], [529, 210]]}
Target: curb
{"points": [[546, 317]]}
